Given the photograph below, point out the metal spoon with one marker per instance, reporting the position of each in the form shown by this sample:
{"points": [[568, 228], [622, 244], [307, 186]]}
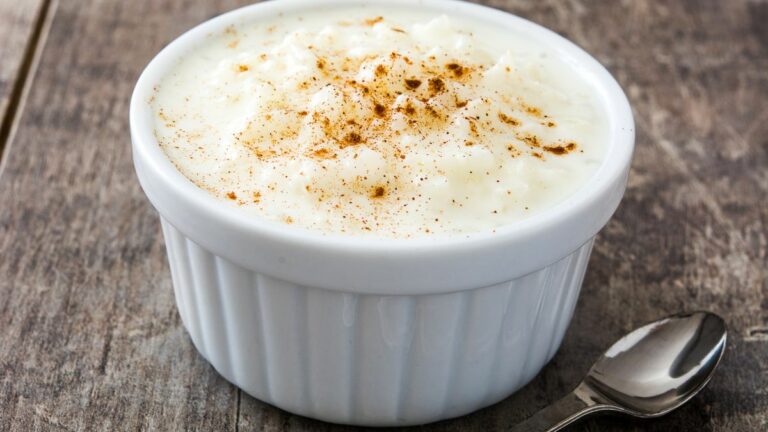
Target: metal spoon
{"points": [[647, 373]]}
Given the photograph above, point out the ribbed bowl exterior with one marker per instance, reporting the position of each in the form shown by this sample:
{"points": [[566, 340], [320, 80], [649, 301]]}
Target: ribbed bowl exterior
{"points": [[371, 359]]}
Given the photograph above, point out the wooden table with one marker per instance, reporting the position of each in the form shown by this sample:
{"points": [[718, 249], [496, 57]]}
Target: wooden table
{"points": [[89, 334]]}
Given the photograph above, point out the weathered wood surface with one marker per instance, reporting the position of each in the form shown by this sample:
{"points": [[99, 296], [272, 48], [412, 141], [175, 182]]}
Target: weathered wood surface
{"points": [[89, 335], [19, 25]]}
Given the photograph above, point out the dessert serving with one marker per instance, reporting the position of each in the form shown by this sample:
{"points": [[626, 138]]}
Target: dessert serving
{"points": [[380, 121], [378, 212]]}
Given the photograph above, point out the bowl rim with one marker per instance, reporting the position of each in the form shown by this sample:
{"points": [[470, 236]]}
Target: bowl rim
{"points": [[612, 171]]}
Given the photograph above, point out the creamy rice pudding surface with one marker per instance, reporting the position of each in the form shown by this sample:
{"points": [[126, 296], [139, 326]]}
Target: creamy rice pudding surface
{"points": [[382, 122]]}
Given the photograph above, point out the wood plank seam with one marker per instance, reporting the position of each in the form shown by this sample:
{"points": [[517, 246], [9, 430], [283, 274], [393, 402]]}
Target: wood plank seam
{"points": [[27, 68], [237, 410]]}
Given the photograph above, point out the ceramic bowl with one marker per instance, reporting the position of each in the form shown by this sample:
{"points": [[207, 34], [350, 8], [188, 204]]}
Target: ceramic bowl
{"points": [[366, 331]]}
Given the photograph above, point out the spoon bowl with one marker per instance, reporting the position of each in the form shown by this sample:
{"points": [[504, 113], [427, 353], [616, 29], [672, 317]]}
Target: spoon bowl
{"points": [[660, 366], [647, 373]]}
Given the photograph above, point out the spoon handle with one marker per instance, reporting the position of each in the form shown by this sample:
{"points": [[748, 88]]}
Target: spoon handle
{"points": [[560, 414]]}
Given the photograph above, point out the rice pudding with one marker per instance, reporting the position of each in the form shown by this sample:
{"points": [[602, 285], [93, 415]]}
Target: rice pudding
{"points": [[380, 121]]}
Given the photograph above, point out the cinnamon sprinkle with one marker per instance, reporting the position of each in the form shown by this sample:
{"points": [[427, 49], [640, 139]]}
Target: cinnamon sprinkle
{"points": [[372, 21], [561, 149]]}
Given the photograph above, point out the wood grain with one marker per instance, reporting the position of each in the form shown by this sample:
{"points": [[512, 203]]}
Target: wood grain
{"points": [[89, 335], [19, 24]]}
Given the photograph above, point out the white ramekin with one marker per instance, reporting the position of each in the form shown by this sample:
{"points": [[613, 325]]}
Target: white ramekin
{"points": [[376, 332]]}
